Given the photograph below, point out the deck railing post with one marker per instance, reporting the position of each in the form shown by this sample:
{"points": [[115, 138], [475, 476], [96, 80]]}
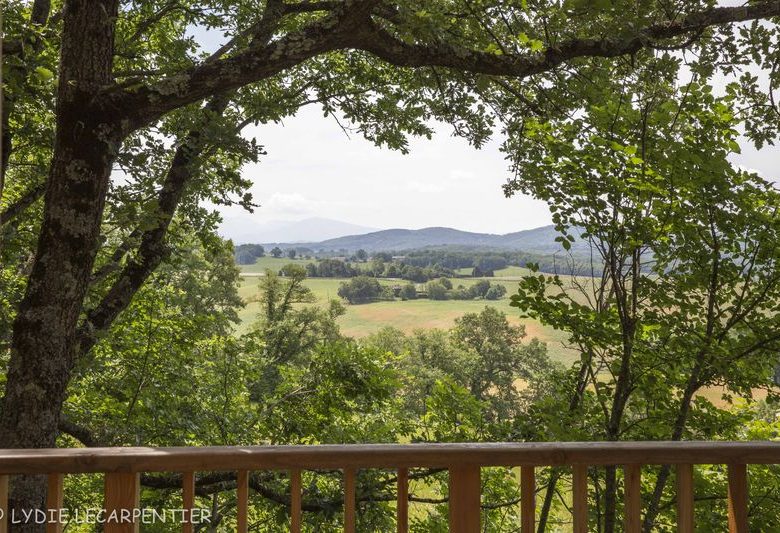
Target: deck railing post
{"points": [[188, 500], [633, 498], [4, 503], [242, 495], [685, 516], [402, 501], [121, 500], [349, 500], [54, 499], [527, 499], [464, 499], [738, 498], [579, 496], [295, 501]]}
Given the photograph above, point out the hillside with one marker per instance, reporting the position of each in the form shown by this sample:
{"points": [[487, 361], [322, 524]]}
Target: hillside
{"points": [[538, 240]]}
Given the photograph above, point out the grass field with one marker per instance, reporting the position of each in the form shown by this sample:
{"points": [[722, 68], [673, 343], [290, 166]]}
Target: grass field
{"points": [[362, 320]]}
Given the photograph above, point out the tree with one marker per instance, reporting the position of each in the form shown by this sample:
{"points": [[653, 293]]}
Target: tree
{"points": [[682, 242], [500, 359], [361, 255], [408, 292], [479, 289], [436, 290], [495, 292], [291, 253], [130, 84], [360, 289], [247, 254], [276, 252]]}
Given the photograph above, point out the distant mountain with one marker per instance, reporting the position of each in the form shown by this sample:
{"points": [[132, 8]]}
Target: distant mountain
{"points": [[537, 240], [244, 230]]}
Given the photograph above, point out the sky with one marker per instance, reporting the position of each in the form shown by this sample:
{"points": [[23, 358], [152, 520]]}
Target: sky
{"points": [[313, 169]]}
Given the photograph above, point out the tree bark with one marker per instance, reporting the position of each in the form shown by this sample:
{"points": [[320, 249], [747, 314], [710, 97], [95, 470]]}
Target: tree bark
{"points": [[87, 138]]}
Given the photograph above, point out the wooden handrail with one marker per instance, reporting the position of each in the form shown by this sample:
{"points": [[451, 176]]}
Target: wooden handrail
{"points": [[122, 467], [390, 456]]}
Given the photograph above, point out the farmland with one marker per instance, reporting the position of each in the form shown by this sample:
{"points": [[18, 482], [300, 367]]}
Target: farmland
{"points": [[365, 319]]}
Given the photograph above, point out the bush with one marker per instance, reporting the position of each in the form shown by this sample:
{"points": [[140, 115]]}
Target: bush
{"points": [[495, 292], [460, 293], [446, 282], [479, 289], [360, 289], [247, 254], [408, 292], [437, 291]]}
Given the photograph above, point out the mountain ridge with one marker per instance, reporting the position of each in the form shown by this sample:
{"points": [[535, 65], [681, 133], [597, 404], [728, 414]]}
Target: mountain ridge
{"points": [[537, 240]]}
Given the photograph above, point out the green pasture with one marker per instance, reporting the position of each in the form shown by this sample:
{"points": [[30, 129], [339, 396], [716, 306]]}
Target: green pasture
{"points": [[365, 319]]}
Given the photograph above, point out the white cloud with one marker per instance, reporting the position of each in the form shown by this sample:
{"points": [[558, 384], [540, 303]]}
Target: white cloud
{"points": [[424, 187], [283, 204]]}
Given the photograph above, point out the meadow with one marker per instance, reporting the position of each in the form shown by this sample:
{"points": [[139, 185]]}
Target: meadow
{"points": [[364, 319]]}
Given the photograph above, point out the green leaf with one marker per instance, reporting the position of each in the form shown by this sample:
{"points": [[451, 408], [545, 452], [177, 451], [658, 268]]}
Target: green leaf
{"points": [[43, 74]]}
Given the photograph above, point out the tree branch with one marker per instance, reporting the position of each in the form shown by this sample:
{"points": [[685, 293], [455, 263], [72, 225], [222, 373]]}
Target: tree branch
{"points": [[349, 26], [385, 46], [26, 200], [152, 250]]}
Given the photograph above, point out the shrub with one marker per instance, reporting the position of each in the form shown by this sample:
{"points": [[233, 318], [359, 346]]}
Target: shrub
{"points": [[360, 289]]}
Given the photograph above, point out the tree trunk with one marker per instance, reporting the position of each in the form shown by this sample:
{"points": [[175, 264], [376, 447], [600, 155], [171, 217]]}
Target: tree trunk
{"points": [[87, 138]]}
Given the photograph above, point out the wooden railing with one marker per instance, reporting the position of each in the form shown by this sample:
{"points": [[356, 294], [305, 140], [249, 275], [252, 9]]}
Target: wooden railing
{"points": [[122, 467]]}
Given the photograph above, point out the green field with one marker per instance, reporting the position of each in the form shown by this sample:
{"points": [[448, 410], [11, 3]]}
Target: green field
{"points": [[362, 320]]}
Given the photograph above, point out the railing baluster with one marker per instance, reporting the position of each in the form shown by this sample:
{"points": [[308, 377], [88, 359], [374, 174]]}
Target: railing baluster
{"points": [[54, 501], [4, 504], [685, 515], [242, 495], [464, 499], [527, 499], [188, 499], [402, 501], [738, 498], [633, 498], [121, 497], [349, 500], [579, 496], [295, 501]]}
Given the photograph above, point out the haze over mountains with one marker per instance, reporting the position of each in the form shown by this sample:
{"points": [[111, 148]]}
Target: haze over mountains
{"points": [[245, 230], [307, 233]]}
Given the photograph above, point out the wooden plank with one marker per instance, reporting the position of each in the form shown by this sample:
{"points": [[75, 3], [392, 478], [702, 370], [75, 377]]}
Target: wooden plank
{"points": [[242, 497], [188, 500], [527, 499], [4, 504], [633, 498], [738, 498], [579, 489], [349, 500], [390, 456], [295, 501], [54, 499], [465, 499], [402, 501], [685, 515], [121, 495]]}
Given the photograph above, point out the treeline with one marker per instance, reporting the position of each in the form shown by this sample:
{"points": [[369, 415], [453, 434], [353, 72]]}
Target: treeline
{"points": [[365, 289], [419, 266], [375, 268], [483, 262]]}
